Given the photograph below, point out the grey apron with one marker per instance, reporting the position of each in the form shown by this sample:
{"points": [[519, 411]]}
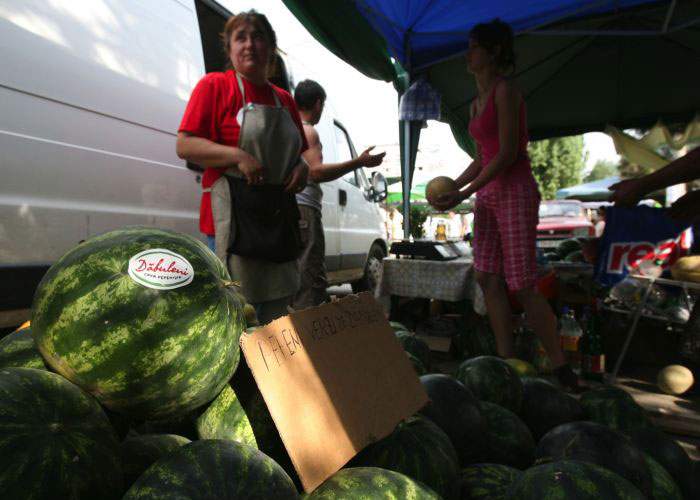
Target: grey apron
{"points": [[269, 134]]}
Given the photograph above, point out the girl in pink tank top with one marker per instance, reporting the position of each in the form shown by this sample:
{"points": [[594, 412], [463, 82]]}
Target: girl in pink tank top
{"points": [[507, 198]]}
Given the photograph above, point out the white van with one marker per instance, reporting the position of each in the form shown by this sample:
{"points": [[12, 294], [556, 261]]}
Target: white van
{"points": [[91, 95]]}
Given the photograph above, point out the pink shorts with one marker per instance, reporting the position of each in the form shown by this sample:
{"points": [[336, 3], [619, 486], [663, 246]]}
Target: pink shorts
{"points": [[505, 234]]}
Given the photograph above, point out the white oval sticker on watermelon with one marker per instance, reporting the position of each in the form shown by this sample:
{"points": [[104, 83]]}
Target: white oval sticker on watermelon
{"points": [[160, 269]]}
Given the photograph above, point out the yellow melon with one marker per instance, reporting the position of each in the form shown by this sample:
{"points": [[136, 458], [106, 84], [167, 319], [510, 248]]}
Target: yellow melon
{"points": [[675, 379], [439, 186], [523, 368]]}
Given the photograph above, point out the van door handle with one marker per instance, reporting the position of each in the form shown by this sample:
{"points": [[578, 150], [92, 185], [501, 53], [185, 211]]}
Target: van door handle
{"points": [[342, 197]]}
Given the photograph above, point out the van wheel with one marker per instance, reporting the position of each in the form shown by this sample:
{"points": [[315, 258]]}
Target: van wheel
{"points": [[373, 269]]}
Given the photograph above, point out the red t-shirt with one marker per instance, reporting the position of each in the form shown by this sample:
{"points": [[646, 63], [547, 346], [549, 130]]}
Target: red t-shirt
{"points": [[211, 114]]}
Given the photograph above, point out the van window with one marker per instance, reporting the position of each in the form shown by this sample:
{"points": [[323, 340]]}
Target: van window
{"points": [[344, 151]]}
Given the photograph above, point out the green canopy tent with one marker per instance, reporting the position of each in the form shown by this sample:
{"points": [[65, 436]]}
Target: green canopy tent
{"points": [[581, 64], [589, 191]]}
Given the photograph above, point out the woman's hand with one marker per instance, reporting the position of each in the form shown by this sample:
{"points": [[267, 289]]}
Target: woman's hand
{"points": [[449, 200], [627, 193], [250, 167], [687, 207], [296, 180]]}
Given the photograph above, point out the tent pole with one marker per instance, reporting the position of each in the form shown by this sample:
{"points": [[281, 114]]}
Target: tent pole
{"points": [[406, 177]]}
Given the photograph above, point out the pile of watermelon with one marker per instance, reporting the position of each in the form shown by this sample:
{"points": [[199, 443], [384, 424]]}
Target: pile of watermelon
{"points": [[518, 435], [128, 385]]}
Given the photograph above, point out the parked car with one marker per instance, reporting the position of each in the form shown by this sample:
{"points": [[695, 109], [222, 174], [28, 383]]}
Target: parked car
{"points": [[561, 220], [92, 95]]}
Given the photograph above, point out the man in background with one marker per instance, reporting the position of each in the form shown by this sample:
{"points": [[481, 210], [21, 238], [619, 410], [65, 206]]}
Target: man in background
{"points": [[310, 99]]}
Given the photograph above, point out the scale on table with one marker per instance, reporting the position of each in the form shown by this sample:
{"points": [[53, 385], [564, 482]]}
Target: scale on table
{"points": [[430, 250]]}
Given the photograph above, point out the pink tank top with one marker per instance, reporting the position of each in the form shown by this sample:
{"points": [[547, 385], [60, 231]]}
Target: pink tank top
{"points": [[484, 129]]}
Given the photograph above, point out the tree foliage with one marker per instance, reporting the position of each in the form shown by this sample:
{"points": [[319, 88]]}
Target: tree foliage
{"points": [[602, 170], [557, 163], [630, 170]]}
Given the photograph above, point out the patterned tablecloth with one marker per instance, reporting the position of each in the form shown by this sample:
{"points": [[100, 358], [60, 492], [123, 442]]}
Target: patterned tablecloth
{"points": [[449, 280]]}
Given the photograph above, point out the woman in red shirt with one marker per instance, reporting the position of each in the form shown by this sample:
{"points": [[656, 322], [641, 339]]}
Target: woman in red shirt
{"points": [[252, 160], [507, 203]]}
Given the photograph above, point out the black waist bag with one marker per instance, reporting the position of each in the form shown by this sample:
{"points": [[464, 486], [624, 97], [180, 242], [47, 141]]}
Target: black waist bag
{"points": [[265, 222]]}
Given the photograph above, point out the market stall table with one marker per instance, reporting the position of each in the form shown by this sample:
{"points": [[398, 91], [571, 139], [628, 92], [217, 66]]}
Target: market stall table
{"points": [[449, 280]]}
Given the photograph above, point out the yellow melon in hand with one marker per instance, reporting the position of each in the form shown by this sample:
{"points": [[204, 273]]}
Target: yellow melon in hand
{"points": [[675, 379], [439, 186]]}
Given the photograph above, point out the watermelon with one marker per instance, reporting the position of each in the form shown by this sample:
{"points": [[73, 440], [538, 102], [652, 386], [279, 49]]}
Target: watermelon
{"points": [[669, 454], [225, 418], [568, 246], [371, 483], [545, 406], [55, 440], [615, 408], [251, 317], [419, 449], [663, 487], [477, 340], [213, 468], [139, 452], [492, 379], [572, 480], [509, 440], [576, 257], [18, 350], [265, 432], [417, 365], [487, 481], [415, 346], [597, 444], [398, 327], [456, 411], [143, 348]]}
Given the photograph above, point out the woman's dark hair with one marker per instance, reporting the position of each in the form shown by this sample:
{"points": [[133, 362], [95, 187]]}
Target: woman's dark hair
{"points": [[497, 38], [307, 93], [256, 19]]}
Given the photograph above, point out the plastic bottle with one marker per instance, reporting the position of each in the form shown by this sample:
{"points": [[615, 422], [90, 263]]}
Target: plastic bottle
{"points": [[627, 292], [652, 268], [592, 353], [570, 334]]}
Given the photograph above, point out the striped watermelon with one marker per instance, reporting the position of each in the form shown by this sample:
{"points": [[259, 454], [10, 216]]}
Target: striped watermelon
{"points": [[55, 440], [492, 379], [18, 350], [417, 365], [510, 442], [600, 445], [225, 418], [663, 487], [615, 408], [365, 483], [419, 449], [398, 327], [545, 406], [456, 411], [103, 319], [572, 480], [213, 468], [669, 454], [415, 346], [266, 436], [487, 481], [138, 453]]}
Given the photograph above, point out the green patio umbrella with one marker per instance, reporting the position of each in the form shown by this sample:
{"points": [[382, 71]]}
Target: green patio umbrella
{"points": [[395, 193]]}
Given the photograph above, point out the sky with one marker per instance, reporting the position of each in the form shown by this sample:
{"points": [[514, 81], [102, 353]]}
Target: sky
{"points": [[369, 108]]}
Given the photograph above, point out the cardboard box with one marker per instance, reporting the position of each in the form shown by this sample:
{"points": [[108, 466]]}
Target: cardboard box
{"points": [[335, 379]]}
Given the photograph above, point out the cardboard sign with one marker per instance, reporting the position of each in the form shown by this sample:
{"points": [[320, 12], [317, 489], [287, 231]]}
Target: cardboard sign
{"points": [[436, 344], [335, 379]]}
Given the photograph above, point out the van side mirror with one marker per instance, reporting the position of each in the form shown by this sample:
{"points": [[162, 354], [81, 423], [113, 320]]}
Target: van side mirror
{"points": [[379, 187]]}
